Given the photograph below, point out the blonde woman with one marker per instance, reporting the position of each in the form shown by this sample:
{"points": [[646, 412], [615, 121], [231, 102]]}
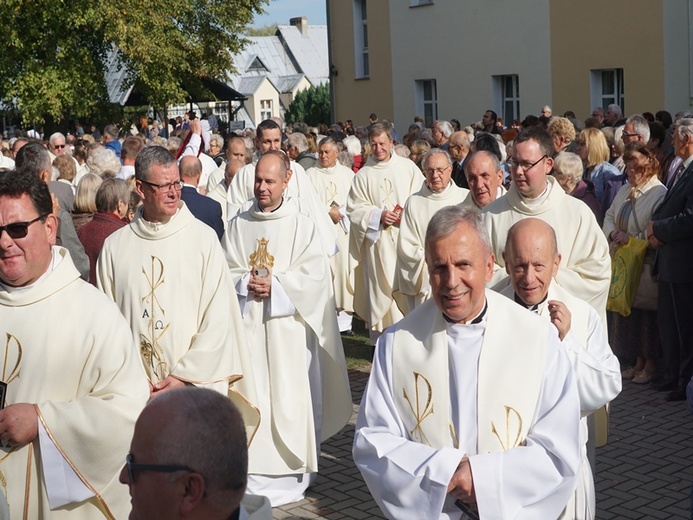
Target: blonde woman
{"points": [[85, 200], [594, 152]]}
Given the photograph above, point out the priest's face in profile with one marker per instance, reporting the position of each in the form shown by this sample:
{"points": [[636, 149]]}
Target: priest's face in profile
{"points": [[459, 265], [271, 179], [438, 171], [531, 259], [160, 192]]}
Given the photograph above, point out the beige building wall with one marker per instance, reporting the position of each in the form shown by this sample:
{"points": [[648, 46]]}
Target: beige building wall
{"points": [[462, 45], [356, 98], [265, 91]]}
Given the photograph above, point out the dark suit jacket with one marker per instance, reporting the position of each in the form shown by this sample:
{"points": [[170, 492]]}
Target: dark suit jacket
{"points": [[673, 225], [458, 176], [204, 209]]}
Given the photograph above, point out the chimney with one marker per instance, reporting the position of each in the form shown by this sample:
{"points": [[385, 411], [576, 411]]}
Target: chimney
{"points": [[301, 23]]}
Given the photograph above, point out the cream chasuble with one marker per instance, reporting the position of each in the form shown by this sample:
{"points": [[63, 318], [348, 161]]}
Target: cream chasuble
{"points": [[68, 350], [501, 392], [333, 185], [299, 188], [412, 274], [373, 247], [585, 269], [598, 377], [172, 284], [293, 334], [218, 193]]}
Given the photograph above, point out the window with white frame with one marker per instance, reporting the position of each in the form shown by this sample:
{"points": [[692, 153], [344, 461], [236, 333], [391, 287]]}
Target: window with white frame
{"points": [[265, 109], [426, 100], [606, 87], [361, 39], [506, 97]]}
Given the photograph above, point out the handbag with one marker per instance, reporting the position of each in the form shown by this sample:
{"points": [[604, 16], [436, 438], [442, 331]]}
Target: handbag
{"points": [[626, 269]]}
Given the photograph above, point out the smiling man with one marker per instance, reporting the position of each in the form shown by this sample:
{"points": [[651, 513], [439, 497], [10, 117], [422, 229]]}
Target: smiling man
{"points": [[585, 268], [167, 274], [437, 192], [68, 355], [468, 395], [282, 280], [377, 196]]}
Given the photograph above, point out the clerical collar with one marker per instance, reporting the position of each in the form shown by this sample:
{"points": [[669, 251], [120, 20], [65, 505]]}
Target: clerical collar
{"points": [[478, 319], [541, 198], [272, 210], [533, 308]]}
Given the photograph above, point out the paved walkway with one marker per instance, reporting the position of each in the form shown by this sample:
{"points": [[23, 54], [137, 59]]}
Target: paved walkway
{"points": [[644, 472]]}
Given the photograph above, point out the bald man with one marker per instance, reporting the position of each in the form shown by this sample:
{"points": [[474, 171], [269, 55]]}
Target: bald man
{"points": [[531, 260], [203, 208]]}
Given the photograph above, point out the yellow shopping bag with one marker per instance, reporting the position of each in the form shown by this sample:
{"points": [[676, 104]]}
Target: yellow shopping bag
{"points": [[626, 268]]}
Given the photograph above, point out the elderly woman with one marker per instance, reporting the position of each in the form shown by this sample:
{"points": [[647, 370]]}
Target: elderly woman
{"points": [[594, 152], [635, 339], [567, 168], [85, 200], [104, 163], [353, 146]]}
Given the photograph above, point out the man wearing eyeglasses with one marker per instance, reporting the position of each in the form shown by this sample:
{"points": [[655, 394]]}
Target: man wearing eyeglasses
{"points": [[56, 144], [167, 273], [72, 383], [636, 129], [207, 479], [585, 269], [437, 192]]}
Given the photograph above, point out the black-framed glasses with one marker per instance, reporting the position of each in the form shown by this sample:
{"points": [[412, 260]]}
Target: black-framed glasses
{"points": [[526, 166], [626, 134], [59, 146], [133, 467], [165, 188], [19, 229]]}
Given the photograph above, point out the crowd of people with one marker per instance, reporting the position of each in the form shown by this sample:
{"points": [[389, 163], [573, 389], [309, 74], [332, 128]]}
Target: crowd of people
{"points": [[139, 263]]}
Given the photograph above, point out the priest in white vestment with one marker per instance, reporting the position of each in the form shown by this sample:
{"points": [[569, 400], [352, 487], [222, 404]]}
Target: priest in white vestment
{"points": [[167, 273], [283, 284], [485, 179], [241, 190], [332, 182], [436, 192], [376, 200], [531, 261], [73, 383], [471, 399], [585, 269], [219, 191]]}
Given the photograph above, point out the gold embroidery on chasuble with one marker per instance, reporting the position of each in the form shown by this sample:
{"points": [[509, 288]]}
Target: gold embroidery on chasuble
{"points": [[150, 349], [11, 370], [332, 193], [513, 429], [261, 258], [422, 386], [388, 191]]}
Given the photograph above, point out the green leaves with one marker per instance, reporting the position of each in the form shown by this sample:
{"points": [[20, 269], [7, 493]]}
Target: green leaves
{"points": [[53, 60], [312, 106]]}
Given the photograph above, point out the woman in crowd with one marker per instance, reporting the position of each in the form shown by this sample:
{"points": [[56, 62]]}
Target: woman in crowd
{"points": [[85, 200], [567, 168], [593, 149], [635, 339], [419, 148]]}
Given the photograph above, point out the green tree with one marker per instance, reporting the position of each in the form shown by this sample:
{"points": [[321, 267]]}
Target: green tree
{"points": [[54, 52], [265, 30], [312, 106]]}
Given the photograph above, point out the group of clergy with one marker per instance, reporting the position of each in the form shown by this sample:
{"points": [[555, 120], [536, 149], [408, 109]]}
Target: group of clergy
{"points": [[255, 318]]}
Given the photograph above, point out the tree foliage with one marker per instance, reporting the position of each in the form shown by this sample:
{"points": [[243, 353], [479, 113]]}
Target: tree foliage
{"points": [[265, 30], [54, 52], [312, 106]]}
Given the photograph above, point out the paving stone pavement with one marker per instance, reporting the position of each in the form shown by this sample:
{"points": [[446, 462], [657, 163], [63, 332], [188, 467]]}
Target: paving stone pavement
{"points": [[645, 471]]}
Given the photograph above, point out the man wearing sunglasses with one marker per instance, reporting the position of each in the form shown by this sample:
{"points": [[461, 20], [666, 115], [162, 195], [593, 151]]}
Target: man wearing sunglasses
{"points": [[72, 383], [189, 459], [585, 269]]}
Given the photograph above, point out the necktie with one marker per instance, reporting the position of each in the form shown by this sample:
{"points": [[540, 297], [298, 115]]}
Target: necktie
{"points": [[677, 176]]}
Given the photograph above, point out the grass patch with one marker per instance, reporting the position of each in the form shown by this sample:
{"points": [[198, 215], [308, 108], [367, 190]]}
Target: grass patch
{"points": [[357, 348]]}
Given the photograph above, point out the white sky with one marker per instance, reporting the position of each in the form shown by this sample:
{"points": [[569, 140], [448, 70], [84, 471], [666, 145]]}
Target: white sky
{"points": [[279, 11]]}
